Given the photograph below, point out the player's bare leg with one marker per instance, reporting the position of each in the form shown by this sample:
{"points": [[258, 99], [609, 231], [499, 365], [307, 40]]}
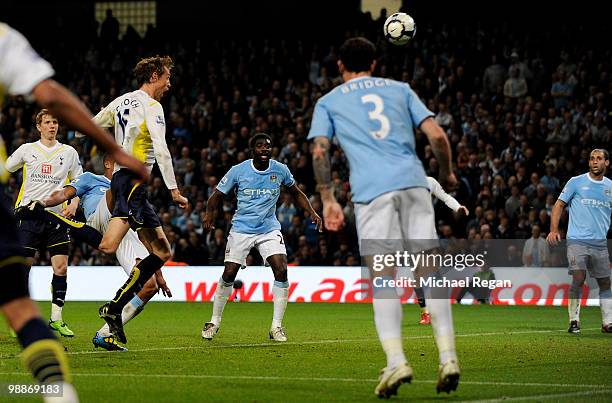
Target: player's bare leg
{"points": [[280, 296], [225, 286], [605, 304], [575, 296], [159, 253], [117, 228], [388, 320]]}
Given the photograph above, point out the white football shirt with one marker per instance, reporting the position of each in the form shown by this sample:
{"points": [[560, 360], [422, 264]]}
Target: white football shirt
{"points": [[140, 128], [21, 69], [45, 170]]}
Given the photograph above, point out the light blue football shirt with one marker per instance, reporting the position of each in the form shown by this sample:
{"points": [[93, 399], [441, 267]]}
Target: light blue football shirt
{"points": [[90, 188], [257, 193], [374, 119], [590, 206]]}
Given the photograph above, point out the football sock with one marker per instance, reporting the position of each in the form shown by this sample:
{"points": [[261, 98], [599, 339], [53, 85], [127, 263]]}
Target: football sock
{"points": [[58, 292], [129, 312], [573, 306], [605, 303], [42, 353], [388, 321], [442, 324], [78, 230], [224, 290], [280, 296], [140, 274], [421, 299]]}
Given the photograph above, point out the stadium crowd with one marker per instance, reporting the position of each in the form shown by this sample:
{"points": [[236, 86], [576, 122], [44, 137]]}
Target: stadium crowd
{"points": [[522, 111]]}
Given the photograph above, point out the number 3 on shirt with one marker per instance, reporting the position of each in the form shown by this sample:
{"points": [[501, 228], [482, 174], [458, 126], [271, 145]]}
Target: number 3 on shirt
{"points": [[377, 114]]}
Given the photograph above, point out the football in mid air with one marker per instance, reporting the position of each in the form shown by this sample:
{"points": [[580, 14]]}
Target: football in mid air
{"points": [[399, 28]]}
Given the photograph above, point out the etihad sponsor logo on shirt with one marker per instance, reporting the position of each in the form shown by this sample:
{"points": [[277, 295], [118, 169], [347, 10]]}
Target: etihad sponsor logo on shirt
{"points": [[596, 203], [260, 192]]}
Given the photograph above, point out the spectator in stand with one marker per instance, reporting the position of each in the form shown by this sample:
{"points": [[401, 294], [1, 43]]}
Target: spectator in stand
{"points": [[536, 252]]}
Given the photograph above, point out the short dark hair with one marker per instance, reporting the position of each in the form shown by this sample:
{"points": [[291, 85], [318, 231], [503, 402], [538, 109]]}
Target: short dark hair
{"points": [[602, 150], [43, 112], [147, 66], [357, 54], [258, 136]]}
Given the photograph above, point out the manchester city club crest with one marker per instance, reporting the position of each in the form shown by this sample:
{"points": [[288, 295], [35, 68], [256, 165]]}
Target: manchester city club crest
{"points": [[608, 192], [272, 178]]}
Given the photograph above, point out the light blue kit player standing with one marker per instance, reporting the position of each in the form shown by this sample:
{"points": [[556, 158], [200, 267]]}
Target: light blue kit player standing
{"points": [[589, 197], [257, 183], [373, 120]]}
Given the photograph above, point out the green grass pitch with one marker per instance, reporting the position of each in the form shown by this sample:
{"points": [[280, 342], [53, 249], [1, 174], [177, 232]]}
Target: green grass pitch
{"points": [[506, 353]]}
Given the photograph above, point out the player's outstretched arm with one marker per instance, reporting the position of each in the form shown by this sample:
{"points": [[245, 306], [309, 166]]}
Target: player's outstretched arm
{"points": [[441, 149], [68, 108], [304, 203], [59, 196], [332, 211], [553, 236], [211, 208]]}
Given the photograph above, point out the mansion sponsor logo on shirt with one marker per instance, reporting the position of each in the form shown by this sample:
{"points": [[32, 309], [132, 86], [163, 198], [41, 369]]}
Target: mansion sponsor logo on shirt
{"points": [[45, 177]]}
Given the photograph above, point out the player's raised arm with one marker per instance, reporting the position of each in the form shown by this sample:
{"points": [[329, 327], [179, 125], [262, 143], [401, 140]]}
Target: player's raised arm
{"points": [[332, 211], [441, 149], [69, 109]]}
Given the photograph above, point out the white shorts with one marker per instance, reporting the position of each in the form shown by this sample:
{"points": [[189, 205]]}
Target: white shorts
{"points": [[400, 216], [130, 248], [239, 245]]}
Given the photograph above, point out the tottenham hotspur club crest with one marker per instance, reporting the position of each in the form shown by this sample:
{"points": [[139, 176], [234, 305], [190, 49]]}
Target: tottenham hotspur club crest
{"points": [[61, 160]]}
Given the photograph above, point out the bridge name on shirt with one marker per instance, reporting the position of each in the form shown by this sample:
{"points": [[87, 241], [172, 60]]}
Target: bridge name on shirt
{"points": [[365, 84], [596, 203], [254, 193]]}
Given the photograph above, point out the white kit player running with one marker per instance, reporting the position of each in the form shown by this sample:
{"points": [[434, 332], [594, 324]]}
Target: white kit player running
{"points": [[97, 202], [438, 192], [257, 183], [47, 166], [373, 119]]}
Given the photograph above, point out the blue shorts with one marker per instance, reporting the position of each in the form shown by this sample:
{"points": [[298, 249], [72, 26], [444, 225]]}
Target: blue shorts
{"points": [[130, 201]]}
